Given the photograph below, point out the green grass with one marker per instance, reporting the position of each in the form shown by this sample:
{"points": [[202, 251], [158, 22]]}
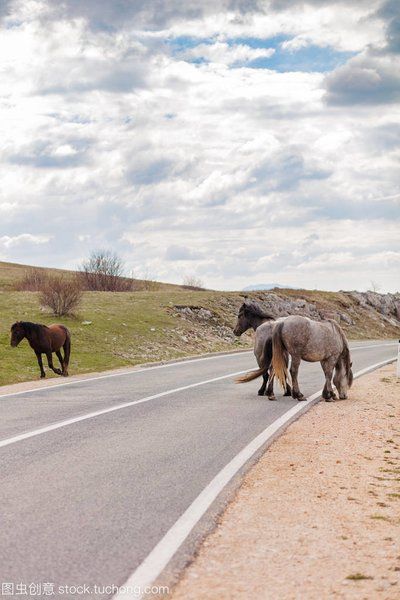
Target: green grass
{"points": [[126, 329], [129, 328]]}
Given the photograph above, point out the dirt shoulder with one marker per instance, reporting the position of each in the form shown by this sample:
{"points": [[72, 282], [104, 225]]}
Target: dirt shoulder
{"points": [[319, 514]]}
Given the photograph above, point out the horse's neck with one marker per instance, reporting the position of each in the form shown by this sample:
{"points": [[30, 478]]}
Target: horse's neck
{"points": [[257, 321], [32, 335]]}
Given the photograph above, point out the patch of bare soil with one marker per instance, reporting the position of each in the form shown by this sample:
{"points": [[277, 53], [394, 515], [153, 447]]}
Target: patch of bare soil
{"points": [[319, 515]]}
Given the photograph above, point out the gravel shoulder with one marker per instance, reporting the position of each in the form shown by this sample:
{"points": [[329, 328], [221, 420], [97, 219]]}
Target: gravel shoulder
{"points": [[319, 514]]}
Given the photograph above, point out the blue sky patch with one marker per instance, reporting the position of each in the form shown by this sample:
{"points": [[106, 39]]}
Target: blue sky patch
{"points": [[309, 59]]}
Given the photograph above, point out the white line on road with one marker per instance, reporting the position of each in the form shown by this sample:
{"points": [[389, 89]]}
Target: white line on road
{"points": [[133, 370], [372, 346], [97, 413], [104, 411], [153, 565]]}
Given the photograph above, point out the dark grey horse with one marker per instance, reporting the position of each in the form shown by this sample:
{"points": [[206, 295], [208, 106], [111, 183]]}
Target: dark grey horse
{"points": [[305, 339], [252, 316]]}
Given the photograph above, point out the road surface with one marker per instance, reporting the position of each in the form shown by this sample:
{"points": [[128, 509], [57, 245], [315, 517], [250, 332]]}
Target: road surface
{"points": [[90, 485]]}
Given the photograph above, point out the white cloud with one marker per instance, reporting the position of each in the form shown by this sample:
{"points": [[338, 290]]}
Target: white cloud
{"points": [[112, 138], [221, 52], [23, 239]]}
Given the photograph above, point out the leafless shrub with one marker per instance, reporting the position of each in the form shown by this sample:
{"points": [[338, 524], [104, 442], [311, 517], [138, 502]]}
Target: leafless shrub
{"points": [[62, 295], [193, 282], [147, 283], [104, 272], [33, 280]]}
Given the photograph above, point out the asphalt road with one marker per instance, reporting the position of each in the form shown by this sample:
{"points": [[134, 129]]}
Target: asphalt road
{"points": [[86, 501]]}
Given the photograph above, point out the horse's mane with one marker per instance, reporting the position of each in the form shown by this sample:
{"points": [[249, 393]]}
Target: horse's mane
{"points": [[255, 309], [32, 327]]}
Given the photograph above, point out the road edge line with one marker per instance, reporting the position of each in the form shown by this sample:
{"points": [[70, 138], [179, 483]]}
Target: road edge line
{"points": [[157, 560]]}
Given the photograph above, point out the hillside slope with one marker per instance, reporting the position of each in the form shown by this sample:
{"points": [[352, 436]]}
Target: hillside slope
{"points": [[127, 328], [13, 273]]}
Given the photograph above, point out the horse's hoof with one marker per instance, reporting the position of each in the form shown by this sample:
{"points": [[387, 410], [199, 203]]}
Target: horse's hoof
{"points": [[301, 398], [43, 376], [331, 399], [287, 394], [271, 398], [260, 392], [65, 374]]}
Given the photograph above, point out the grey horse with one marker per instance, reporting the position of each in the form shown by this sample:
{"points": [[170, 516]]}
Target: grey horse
{"points": [[305, 339], [252, 316]]}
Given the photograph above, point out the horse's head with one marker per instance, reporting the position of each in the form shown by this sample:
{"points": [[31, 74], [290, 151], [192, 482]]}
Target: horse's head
{"points": [[243, 323], [17, 333], [343, 378], [250, 315]]}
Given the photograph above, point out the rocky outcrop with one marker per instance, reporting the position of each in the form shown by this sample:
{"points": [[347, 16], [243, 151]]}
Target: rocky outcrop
{"points": [[361, 314]]}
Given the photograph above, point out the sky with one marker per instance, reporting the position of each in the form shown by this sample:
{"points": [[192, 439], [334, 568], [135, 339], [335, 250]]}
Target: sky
{"points": [[236, 141]]}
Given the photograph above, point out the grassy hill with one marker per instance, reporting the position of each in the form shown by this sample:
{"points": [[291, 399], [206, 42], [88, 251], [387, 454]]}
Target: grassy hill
{"points": [[12, 273], [127, 328]]}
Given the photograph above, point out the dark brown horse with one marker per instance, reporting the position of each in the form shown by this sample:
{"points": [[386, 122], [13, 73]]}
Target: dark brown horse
{"points": [[251, 315], [44, 339]]}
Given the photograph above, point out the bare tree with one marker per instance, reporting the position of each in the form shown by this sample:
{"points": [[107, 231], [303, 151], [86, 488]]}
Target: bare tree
{"points": [[61, 294], [375, 287], [104, 272], [191, 281]]}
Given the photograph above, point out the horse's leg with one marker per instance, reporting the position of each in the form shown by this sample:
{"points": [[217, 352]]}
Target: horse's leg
{"points": [[261, 391], [50, 363], [294, 369], [270, 388], [40, 363], [60, 358], [327, 366], [67, 353], [288, 391]]}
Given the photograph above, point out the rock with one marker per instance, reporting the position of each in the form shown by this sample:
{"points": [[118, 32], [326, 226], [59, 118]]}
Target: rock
{"points": [[344, 317]]}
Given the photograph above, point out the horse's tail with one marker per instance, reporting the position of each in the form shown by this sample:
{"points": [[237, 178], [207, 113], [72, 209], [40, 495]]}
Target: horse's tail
{"points": [[279, 356], [345, 355], [67, 350], [264, 366]]}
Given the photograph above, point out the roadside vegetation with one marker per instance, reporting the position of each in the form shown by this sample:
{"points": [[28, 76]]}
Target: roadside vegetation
{"points": [[119, 329]]}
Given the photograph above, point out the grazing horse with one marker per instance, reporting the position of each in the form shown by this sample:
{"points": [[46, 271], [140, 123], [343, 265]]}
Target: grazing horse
{"points": [[251, 316], [305, 339], [44, 339]]}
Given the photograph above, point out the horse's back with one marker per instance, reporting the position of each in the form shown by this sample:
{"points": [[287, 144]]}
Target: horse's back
{"points": [[313, 340], [58, 335]]}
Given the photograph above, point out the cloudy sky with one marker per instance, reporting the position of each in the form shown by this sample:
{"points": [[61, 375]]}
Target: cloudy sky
{"points": [[239, 141]]}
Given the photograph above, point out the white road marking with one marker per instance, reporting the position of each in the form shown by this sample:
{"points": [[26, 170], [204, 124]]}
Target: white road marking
{"points": [[132, 371], [153, 565], [372, 346], [104, 411], [72, 420]]}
